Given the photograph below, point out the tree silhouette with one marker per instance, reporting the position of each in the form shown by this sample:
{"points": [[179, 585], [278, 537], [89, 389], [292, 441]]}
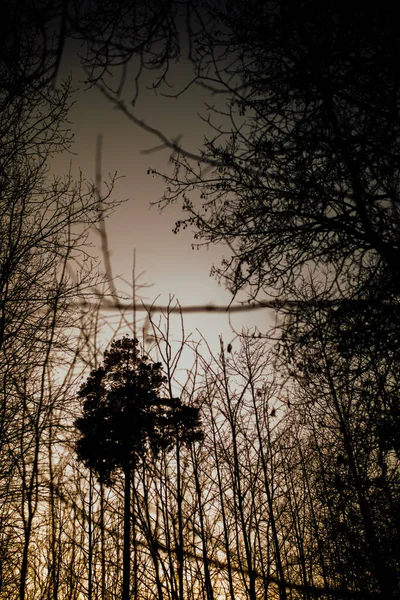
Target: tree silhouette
{"points": [[346, 393], [125, 420], [305, 163]]}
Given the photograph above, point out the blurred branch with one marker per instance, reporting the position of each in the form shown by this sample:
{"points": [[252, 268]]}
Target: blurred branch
{"points": [[279, 305]]}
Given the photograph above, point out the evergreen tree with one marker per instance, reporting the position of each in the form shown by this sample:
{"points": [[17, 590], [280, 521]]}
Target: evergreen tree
{"points": [[125, 420]]}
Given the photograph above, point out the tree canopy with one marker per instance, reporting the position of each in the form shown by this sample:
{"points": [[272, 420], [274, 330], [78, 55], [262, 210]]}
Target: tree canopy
{"points": [[124, 416], [304, 168]]}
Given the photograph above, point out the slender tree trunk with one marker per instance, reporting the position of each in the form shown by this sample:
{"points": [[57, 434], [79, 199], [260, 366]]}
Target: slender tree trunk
{"points": [[314, 521], [30, 498], [55, 546], [90, 535], [265, 449], [127, 536], [179, 550], [135, 546], [223, 512], [169, 529], [237, 487], [151, 531], [102, 542], [24, 565], [207, 577]]}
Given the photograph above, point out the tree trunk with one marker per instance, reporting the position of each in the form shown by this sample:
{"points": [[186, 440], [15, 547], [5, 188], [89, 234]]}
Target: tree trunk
{"points": [[135, 546], [127, 536], [179, 549], [90, 536], [103, 550]]}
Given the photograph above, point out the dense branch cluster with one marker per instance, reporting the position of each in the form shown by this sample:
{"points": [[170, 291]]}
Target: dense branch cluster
{"points": [[308, 170]]}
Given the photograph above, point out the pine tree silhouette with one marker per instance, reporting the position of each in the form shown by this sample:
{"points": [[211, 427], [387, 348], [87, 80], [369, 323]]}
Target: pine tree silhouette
{"points": [[125, 420]]}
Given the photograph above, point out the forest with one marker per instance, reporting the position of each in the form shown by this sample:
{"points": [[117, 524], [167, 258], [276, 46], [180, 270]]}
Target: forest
{"points": [[269, 469]]}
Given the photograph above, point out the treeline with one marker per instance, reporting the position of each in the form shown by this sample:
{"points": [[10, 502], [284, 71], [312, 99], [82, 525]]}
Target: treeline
{"points": [[291, 493]]}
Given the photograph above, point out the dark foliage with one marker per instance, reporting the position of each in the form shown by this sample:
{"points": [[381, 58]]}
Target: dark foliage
{"points": [[306, 159], [124, 418]]}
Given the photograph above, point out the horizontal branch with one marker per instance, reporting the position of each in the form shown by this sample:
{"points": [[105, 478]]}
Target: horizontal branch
{"points": [[278, 305]]}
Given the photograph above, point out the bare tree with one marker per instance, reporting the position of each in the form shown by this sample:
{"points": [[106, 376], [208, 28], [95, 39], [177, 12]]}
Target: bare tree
{"points": [[344, 399]]}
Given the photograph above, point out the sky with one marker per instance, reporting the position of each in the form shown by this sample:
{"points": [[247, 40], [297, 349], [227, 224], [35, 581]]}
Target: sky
{"points": [[167, 263]]}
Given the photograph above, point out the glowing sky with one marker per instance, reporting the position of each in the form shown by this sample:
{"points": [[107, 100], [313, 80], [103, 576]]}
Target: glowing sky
{"points": [[170, 265]]}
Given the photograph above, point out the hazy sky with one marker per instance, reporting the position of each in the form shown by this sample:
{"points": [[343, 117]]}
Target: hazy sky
{"points": [[170, 265]]}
